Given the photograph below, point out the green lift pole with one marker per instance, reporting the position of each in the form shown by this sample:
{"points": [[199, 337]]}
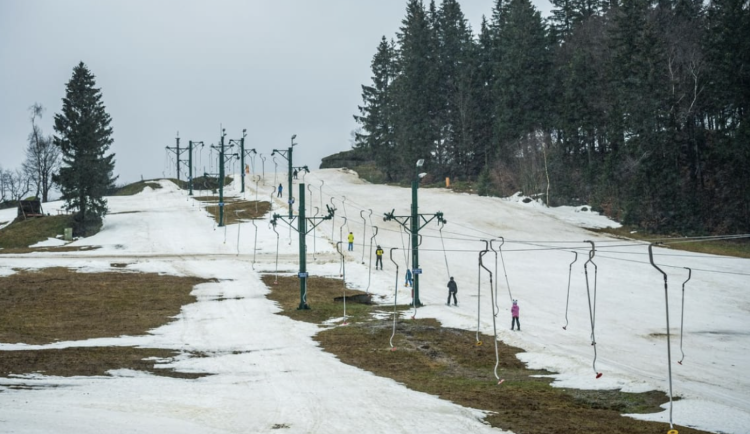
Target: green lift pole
{"points": [[415, 241], [412, 224], [242, 159], [190, 167], [288, 155], [303, 229], [289, 176], [178, 153], [178, 158], [221, 180]]}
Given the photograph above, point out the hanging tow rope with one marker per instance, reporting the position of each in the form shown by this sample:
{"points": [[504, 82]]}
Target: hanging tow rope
{"points": [[342, 269], [239, 226], [395, 300], [682, 316], [500, 249], [343, 204], [315, 237], [343, 279], [497, 306], [371, 225], [669, 351], [592, 308], [567, 300], [494, 317], [364, 234], [445, 255], [369, 264], [479, 287], [310, 200], [333, 220], [403, 246], [255, 243], [276, 277]]}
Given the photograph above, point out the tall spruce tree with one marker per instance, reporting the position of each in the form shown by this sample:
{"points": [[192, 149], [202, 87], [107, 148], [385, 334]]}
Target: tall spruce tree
{"points": [[376, 112], [522, 74], [415, 88], [454, 93], [84, 137]]}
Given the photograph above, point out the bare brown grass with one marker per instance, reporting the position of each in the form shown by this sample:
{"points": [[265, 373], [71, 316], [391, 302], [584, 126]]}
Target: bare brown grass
{"points": [[235, 212], [58, 304], [447, 362], [89, 361], [58, 249]]}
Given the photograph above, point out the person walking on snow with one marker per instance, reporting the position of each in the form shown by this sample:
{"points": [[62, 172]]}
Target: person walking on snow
{"points": [[408, 281], [452, 290], [379, 258], [280, 189], [351, 241], [514, 311], [294, 173]]}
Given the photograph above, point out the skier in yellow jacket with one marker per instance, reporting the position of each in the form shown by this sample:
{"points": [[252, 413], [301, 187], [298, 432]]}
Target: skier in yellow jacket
{"points": [[351, 241]]}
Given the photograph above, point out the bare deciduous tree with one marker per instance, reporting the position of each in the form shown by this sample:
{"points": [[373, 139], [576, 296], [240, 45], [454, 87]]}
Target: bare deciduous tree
{"points": [[42, 156], [4, 191], [18, 184]]}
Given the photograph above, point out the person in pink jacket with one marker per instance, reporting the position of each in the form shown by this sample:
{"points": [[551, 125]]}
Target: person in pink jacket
{"points": [[514, 311]]}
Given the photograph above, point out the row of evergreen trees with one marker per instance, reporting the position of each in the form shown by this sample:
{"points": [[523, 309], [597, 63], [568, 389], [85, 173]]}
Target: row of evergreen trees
{"points": [[639, 107]]}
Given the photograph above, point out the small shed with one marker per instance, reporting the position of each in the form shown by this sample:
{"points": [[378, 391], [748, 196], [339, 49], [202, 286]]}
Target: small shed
{"points": [[30, 208]]}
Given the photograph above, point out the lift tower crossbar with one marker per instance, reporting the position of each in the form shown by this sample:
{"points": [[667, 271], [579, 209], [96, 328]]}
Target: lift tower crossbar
{"points": [[413, 224]]}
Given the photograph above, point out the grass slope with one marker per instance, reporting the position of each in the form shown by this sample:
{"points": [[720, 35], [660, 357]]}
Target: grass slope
{"points": [[23, 233], [136, 187]]}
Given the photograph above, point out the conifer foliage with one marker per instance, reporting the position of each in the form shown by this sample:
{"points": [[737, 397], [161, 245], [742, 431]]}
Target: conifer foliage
{"points": [[640, 108], [84, 135]]}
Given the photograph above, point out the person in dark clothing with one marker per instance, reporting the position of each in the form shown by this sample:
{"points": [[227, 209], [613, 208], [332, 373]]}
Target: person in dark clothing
{"points": [[379, 258], [281, 187], [294, 173], [452, 290]]}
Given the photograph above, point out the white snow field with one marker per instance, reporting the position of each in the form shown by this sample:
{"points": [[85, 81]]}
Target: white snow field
{"points": [[269, 372]]}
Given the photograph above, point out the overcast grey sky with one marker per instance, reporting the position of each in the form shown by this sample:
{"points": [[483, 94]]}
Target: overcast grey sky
{"points": [[275, 67]]}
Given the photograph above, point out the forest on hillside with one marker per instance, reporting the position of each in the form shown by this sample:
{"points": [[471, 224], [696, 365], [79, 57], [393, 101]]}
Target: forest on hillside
{"points": [[638, 107]]}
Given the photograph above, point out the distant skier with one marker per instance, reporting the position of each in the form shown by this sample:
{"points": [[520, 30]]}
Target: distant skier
{"points": [[351, 241], [514, 311], [379, 258], [452, 290], [294, 173], [408, 281], [281, 188]]}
